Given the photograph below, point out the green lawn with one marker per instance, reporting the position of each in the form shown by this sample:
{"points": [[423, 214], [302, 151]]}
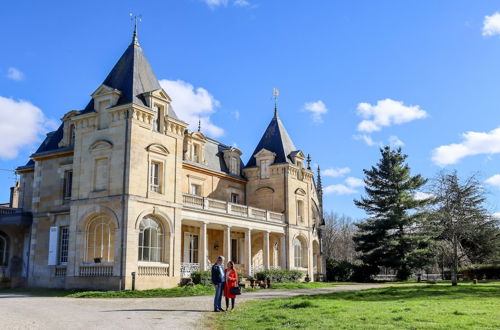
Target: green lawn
{"points": [[401, 307], [303, 285]]}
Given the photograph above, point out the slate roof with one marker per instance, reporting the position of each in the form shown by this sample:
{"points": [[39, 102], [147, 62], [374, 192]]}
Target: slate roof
{"points": [[275, 139], [214, 157]]}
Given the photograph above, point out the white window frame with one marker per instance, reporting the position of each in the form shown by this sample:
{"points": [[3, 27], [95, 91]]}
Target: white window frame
{"points": [[62, 254], [155, 176], [195, 189], [297, 253], [105, 226], [235, 198], [191, 247], [67, 184], [150, 239]]}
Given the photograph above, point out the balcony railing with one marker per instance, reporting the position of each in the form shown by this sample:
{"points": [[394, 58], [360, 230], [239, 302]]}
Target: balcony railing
{"points": [[187, 268], [219, 206], [9, 210], [96, 271]]}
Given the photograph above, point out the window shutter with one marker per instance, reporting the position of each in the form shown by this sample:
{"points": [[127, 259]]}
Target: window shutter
{"points": [[53, 238]]}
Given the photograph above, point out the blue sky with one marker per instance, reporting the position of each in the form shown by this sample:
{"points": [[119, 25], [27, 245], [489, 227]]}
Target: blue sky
{"points": [[351, 75]]}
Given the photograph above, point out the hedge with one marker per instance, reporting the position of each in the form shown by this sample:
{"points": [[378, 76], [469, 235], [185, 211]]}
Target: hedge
{"points": [[279, 275], [202, 277], [488, 272]]}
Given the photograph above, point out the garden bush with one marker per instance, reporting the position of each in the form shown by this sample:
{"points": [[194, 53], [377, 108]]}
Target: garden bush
{"points": [[279, 275], [488, 272], [203, 278], [340, 271]]}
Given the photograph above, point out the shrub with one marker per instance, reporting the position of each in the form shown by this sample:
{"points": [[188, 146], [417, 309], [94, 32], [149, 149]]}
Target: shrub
{"points": [[479, 272], [339, 270], [363, 273], [203, 278], [279, 275]]}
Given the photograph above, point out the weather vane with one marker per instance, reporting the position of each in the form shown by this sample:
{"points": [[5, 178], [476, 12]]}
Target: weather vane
{"points": [[276, 93], [136, 19]]}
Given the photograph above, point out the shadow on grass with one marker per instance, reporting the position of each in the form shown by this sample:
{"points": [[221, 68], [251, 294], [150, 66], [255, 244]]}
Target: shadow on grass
{"points": [[415, 292]]}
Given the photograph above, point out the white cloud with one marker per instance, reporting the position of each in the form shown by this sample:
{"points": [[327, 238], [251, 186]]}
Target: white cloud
{"points": [[15, 74], [386, 113], [336, 172], [347, 188], [354, 182], [339, 189], [394, 141], [419, 196], [474, 143], [368, 140], [212, 4], [241, 3], [317, 110], [494, 180], [491, 25], [236, 115], [496, 215], [193, 104], [21, 124]]}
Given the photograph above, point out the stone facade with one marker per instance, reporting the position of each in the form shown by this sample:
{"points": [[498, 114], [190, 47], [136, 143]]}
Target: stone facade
{"points": [[123, 192]]}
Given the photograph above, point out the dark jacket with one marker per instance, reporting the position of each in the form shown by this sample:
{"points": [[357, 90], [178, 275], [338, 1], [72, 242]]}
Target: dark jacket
{"points": [[217, 277]]}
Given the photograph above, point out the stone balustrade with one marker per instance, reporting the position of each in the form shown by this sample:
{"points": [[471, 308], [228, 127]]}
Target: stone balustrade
{"points": [[152, 270], [215, 205], [96, 271]]}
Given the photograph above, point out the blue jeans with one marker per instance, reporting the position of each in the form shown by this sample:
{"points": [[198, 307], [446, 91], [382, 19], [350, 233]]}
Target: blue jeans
{"points": [[218, 296]]}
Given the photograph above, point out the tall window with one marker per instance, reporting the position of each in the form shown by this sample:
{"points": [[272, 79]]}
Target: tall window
{"points": [[100, 240], [300, 211], [155, 177], [150, 240], [4, 249], [190, 248], [234, 198], [63, 245], [195, 189], [157, 117], [235, 251], [234, 166], [196, 153], [72, 135], [264, 169], [297, 249], [67, 184]]}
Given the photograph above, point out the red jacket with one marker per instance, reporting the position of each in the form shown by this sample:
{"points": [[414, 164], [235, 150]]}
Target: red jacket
{"points": [[231, 281]]}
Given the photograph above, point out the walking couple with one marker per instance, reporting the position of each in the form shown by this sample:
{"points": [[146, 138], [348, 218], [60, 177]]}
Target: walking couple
{"points": [[223, 280]]}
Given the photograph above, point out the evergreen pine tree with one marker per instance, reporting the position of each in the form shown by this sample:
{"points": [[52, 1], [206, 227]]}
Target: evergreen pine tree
{"points": [[394, 234]]}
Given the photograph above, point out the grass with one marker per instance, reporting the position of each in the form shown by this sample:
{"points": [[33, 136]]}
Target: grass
{"points": [[185, 291], [302, 285], [399, 307]]}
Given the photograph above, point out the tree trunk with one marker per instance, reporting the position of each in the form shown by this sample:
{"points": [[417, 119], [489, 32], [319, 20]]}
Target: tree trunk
{"points": [[454, 266]]}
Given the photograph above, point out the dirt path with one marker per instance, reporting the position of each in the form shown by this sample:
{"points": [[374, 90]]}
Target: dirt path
{"points": [[24, 312]]}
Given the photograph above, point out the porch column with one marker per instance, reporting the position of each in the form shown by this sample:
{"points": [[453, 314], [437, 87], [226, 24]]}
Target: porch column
{"points": [[248, 250], [227, 243], [283, 251], [203, 246], [266, 250]]}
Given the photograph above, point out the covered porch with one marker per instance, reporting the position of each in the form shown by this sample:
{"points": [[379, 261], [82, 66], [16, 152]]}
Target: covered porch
{"points": [[252, 250]]}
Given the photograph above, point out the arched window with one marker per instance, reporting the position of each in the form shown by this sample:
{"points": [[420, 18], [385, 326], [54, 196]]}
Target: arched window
{"points": [[150, 240], [4, 249], [297, 249], [100, 240]]}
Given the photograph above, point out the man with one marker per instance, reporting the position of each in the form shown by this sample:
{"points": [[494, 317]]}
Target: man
{"points": [[218, 279]]}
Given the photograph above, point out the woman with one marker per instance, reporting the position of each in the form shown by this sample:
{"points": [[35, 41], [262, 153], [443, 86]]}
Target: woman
{"points": [[231, 282]]}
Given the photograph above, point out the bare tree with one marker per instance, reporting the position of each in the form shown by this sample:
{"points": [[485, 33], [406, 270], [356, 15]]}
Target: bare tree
{"points": [[337, 237], [462, 221]]}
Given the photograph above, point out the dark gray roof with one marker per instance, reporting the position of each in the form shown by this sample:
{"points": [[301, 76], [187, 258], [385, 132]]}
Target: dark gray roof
{"points": [[132, 75], [214, 157], [275, 139]]}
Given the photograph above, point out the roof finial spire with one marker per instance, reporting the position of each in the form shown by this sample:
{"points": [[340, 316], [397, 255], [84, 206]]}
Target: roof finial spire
{"points": [[308, 161], [276, 93], [135, 19], [199, 124]]}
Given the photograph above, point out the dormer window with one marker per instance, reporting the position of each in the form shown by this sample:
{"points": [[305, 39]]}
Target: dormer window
{"points": [[72, 135], [158, 110], [196, 153], [232, 159], [264, 168]]}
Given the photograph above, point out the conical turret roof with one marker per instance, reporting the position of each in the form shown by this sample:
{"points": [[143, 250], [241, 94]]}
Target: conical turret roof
{"points": [[275, 139]]}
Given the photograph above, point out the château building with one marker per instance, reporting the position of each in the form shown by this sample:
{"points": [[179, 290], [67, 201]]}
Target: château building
{"points": [[122, 190]]}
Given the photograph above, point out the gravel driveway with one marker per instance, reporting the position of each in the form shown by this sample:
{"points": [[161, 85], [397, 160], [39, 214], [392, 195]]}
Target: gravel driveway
{"points": [[25, 312]]}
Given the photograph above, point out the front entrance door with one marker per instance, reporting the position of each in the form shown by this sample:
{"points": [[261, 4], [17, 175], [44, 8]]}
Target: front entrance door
{"points": [[190, 248]]}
